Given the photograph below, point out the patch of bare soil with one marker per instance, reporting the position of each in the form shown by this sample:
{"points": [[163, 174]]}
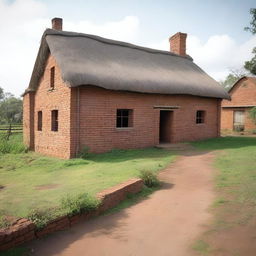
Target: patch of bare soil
{"points": [[47, 186], [2, 187], [236, 241]]}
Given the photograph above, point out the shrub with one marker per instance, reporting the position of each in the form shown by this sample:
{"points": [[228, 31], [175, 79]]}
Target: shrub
{"points": [[80, 203], [252, 114], [4, 222], [40, 217], [84, 152], [149, 178]]}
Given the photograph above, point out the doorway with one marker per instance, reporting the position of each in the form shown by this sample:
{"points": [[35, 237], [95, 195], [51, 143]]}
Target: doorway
{"points": [[165, 126]]}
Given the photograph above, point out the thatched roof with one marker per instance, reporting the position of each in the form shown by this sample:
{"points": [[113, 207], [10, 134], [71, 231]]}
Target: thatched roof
{"points": [[91, 60]]}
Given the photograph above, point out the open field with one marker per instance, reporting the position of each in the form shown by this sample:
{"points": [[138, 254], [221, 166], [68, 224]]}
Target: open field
{"points": [[232, 231], [29, 180]]}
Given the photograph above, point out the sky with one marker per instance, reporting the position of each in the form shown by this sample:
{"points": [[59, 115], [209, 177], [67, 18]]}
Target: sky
{"points": [[216, 38]]}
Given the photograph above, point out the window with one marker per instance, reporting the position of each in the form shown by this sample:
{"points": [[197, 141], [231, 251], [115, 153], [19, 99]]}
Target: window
{"points": [[124, 118], [55, 120], [200, 116], [39, 120], [52, 77], [238, 120]]}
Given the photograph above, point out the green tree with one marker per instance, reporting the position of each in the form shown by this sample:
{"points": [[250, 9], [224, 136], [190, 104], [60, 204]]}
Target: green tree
{"points": [[231, 78], [1, 93], [252, 27], [251, 64], [10, 109], [252, 114]]}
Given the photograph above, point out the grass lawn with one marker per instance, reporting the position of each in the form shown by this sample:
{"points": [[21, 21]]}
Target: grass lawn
{"points": [[232, 231], [30, 180]]}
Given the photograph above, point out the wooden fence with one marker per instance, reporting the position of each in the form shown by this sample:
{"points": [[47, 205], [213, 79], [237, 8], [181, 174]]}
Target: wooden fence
{"points": [[9, 129]]}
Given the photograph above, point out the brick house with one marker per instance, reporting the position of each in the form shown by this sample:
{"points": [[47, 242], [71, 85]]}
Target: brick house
{"points": [[90, 91], [235, 113]]}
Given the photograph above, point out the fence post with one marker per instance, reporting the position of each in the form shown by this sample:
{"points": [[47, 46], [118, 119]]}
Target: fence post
{"points": [[9, 131]]}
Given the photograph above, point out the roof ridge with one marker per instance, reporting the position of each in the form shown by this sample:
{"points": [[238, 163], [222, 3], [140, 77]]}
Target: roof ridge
{"points": [[111, 41]]}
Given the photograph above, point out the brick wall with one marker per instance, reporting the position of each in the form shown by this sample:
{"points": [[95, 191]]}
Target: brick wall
{"points": [[46, 141], [96, 126], [98, 119], [243, 93], [28, 119]]}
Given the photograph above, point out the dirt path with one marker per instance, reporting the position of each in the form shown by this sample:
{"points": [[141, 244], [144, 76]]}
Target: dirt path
{"points": [[165, 224]]}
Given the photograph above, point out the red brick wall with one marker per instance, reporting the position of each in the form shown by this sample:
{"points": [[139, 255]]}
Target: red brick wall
{"points": [[96, 126], [46, 141], [243, 93], [28, 120], [98, 119]]}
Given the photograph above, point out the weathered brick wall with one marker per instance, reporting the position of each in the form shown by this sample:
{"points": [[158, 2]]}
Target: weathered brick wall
{"points": [[46, 141], [28, 120], [98, 119], [21, 231], [243, 94]]}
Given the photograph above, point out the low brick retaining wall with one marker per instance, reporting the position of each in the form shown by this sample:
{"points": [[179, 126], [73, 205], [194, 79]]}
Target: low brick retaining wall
{"points": [[23, 230]]}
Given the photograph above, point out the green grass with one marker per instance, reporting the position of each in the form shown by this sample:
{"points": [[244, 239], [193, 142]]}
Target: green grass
{"points": [[201, 247], [13, 145], [32, 181], [235, 183]]}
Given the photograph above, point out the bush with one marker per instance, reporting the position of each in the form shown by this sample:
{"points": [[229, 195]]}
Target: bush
{"points": [[80, 203], [4, 222], [40, 217], [149, 178], [84, 152], [252, 114]]}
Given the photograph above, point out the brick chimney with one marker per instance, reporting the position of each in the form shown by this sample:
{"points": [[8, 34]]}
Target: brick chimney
{"points": [[178, 43], [57, 23]]}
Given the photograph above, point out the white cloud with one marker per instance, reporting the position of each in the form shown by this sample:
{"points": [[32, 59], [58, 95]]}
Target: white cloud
{"points": [[21, 26], [125, 29], [23, 21], [217, 55]]}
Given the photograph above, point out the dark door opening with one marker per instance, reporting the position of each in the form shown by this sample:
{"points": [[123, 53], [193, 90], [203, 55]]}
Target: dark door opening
{"points": [[165, 126]]}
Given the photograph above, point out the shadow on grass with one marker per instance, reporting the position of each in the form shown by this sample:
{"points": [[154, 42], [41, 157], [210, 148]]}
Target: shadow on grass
{"points": [[117, 155], [224, 143], [149, 153]]}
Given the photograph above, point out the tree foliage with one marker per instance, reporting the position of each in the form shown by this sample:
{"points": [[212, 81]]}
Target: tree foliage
{"points": [[252, 27], [251, 64], [231, 78], [252, 114], [10, 108]]}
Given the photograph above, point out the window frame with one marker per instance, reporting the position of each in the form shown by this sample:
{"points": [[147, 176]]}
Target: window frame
{"points": [[55, 120], [200, 116], [52, 77], [39, 120], [124, 120]]}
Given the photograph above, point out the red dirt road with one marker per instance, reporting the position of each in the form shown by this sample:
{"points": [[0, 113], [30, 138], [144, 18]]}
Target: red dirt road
{"points": [[165, 224]]}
